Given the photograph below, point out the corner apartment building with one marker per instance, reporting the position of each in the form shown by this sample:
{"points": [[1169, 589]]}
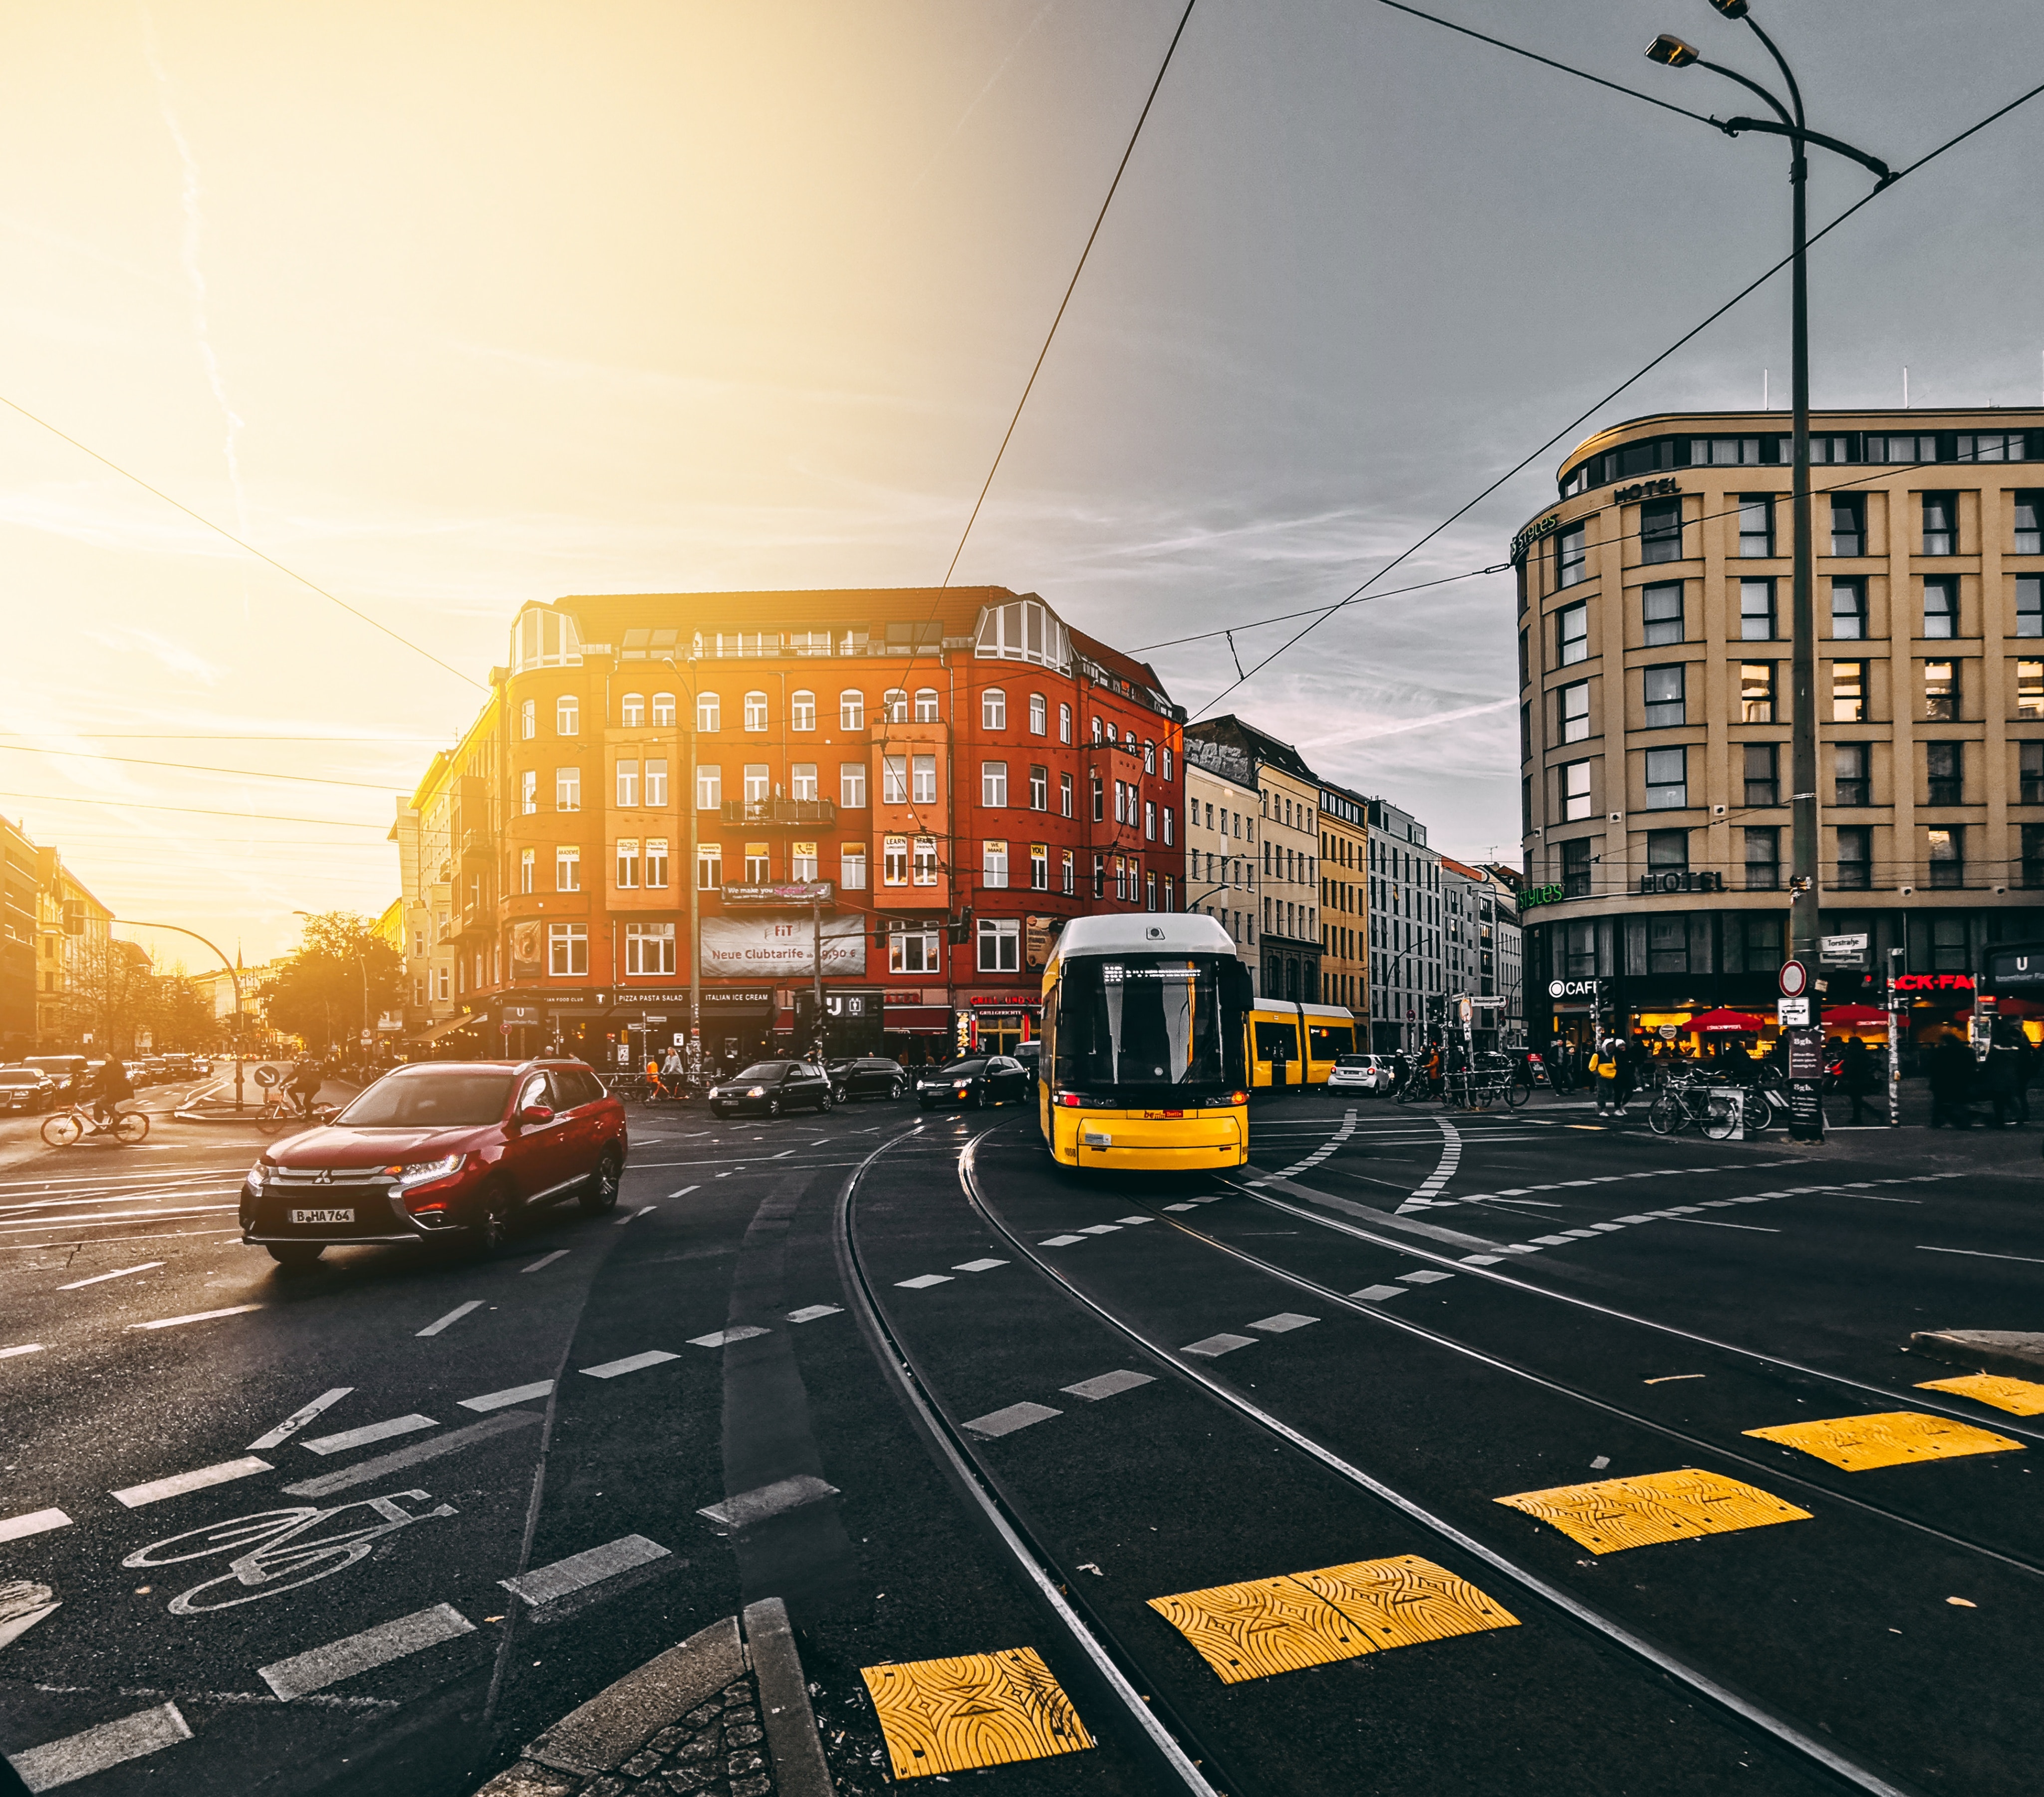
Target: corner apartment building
{"points": [[1405, 980], [916, 787], [1654, 643], [1222, 809], [1478, 913], [1288, 857], [17, 941], [1344, 898], [72, 927]]}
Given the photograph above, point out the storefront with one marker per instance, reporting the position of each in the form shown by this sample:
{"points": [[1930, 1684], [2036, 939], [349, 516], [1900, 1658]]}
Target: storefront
{"points": [[737, 1025], [916, 1025], [1933, 1003], [997, 1023]]}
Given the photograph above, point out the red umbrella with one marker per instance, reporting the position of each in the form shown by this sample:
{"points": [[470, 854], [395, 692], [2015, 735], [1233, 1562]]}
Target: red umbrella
{"points": [[1854, 1017], [1726, 1023]]}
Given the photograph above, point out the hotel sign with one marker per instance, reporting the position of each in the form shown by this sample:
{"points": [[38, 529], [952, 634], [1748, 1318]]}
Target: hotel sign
{"points": [[1686, 882], [1645, 490]]}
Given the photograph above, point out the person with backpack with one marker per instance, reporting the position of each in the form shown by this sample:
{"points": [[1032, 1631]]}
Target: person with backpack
{"points": [[1606, 1068]]}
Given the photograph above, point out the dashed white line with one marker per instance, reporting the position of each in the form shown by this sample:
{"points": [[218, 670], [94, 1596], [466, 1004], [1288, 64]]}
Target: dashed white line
{"points": [[100, 1278], [454, 1316], [97, 1750], [156, 1490], [923, 1281], [26, 1348], [986, 1265], [724, 1338], [631, 1363], [685, 1191], [298, 1418], [1005, 1422], [369, 1432], [810, 1313], [1213, 1346], [1107, 1384], [633, 1215], [363, 1653], [32, 1523], [197, 1316], [1283, 1322], [510, 1394], [544, 1260], [546, 1584], [1061, 1242]]}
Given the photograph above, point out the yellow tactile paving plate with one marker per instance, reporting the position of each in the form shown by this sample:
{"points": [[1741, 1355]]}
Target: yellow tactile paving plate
{"points": [[977, 1710], [2019, 1397], [1895, 1437], [1612, 1515], [1264, 1626], [1399, 1603]]}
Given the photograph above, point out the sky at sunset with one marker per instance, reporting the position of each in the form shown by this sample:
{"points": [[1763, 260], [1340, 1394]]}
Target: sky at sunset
{"points": [[448, 307]]}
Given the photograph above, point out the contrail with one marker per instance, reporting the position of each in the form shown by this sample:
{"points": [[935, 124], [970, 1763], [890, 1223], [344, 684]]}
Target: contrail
{"points": [[188, 256]]}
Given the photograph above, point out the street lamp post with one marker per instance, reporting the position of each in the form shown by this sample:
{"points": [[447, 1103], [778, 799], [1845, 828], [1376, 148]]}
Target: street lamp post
{"points": [[179, 929], [1805, 882]]}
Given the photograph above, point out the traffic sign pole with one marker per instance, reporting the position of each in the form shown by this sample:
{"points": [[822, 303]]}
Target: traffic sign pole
{"points": [[1801, 1014]]}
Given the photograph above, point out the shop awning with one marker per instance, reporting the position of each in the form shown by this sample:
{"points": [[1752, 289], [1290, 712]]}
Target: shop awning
{"points": [[917, 1019], [445, 1027], [1854, 1017], [1726, 1023]]}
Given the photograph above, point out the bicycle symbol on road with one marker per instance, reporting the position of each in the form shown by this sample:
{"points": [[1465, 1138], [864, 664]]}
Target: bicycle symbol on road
{"points": [[275, 1550]]}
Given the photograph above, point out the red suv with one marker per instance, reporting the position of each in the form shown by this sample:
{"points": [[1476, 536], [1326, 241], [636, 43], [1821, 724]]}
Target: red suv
{"points": [[441, 1150]]}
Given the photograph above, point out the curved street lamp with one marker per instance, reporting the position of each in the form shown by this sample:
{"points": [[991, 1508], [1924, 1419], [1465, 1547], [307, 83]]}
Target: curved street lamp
{"points": [[232, 973], [1805, 885]]}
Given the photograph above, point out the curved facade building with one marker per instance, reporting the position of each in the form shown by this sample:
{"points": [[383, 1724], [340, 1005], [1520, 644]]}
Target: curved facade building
{"points": [[1654, 603]]}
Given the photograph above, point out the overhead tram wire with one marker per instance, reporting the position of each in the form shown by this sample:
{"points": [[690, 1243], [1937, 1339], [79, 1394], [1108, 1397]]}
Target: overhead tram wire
{"points": [[194, 811], [193, 767], [1631, 380], [241, 543]]}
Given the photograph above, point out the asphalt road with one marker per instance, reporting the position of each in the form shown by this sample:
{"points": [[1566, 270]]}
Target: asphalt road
{"points": [[890, 1367]]}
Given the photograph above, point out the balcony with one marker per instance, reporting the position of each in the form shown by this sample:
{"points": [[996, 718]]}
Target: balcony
{"points": [[781, 814]]}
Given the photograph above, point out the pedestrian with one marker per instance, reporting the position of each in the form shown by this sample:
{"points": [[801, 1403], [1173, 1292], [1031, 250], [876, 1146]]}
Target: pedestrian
{"points": [[2008, 1071], [1605, 1065], [1856, 1073], [1951, 1070]]}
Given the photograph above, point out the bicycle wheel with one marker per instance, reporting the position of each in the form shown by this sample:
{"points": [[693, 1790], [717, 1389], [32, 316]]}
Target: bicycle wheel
{"points": [[1719, 1118], [62, 1128], [131, 1126], [1516, 1093], [1665, 1115]]}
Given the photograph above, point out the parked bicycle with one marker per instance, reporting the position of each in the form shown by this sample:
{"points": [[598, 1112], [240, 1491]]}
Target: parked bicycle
{"points": [[1690, 1098], [1478, 1088], [62, 1128]]}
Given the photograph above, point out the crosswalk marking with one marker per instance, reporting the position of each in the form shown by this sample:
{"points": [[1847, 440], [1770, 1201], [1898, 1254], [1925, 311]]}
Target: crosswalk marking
{"points": [[320, 1667]]}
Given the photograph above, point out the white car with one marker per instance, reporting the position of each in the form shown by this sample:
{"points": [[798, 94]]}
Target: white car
{"points": [[1369, 1073]]}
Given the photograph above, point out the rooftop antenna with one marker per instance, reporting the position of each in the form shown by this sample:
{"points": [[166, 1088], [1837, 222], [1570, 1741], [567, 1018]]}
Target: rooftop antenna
{"points": [[1905, 387], [1763, 389]]}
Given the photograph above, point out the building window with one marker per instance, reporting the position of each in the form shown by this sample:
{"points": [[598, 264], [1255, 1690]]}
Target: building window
{"points": [[1941, 691], [649, 948], [1099, 876], [894, 780], [758, 777], [1667, 779], [1572, 635], [1851, 786], [1941, 607], [759, 864], [663, 711], [2029, 523], [1660, 531], [1169, 815], [1065, 795], [529, 860], [923, 780], [567, 868], [1149, 756], [631, 711], [1064, 723], [2030, 689], [656, 861], [1756, 692], [1944, 767], [1575, 791], [528, 792], [1099, 799], [1068, 873], [993, 709], [2030, 605], [1948, 951], [710, 712], [567, 789], [911, 949], [1575, 712], [1756, 610], [2033, 854], [926, 704], [1761, 787], [1663, 688], [801, 711], [756, 711], [1149, 892], [627, 783], [1668, 851], [925, 866], [2032, 774], [993, 864], [894, 861], [801, 860], [851, 785], [1756, 526], [1849, 610], [894, 703], [528, 718], [1941, 524], [1855, 861], [709, 866], [1167, 753], [1763, 858], [568, 715], [1667, 943], [1948, 851], [627, 862], [656, 781], [1848, 523], [1849, 692], [1661, 606], [709, 786], [1571, 556], [1039, 788], [993, 783], [1576, 868], [1149, 816], [852, 709], [567, 952], [802, 782]]}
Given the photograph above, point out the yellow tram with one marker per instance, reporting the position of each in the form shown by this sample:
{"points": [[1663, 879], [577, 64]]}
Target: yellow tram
{"points": [[1146, 1034], [1294, 1045]]}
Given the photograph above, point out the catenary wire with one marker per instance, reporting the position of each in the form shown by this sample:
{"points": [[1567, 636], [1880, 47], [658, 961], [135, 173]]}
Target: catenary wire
{"points": [[195, 810], [193, 767]]}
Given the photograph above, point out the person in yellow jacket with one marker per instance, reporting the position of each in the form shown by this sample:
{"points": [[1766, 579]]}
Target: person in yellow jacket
{"points": [[1606, 1068]]}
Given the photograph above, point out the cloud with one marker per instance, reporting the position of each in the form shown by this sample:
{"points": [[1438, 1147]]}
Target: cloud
{"points": [[176, 656]]}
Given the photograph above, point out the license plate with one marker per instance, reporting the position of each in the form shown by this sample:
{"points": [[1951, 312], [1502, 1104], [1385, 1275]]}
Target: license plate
{"points": [[322, 1216]]}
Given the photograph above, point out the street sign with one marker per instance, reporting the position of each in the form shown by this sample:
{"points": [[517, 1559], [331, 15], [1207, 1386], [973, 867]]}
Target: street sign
{"points": [[1794, 979], [504, 1027], [1468, 1013], [651, 1018], [367, 1038], [1842, 951], [1793, 1013]]}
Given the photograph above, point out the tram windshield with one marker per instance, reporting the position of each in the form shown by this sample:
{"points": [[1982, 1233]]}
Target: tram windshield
{"points": [[1169, 1022]]}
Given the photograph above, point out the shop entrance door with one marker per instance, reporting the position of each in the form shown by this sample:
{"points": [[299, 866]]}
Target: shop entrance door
{"points": [[998, 1036]]}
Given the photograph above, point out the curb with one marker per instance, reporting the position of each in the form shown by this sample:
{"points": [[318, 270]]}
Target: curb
{"points": [[2016, 1353], [682, 1711]]}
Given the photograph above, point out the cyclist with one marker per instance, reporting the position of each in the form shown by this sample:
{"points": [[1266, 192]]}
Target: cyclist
{"points": [[304, 1084], [108, 1088], [656, 1086]]}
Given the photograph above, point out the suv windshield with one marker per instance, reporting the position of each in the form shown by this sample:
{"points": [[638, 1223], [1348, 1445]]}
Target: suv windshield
{"points": [[961, 1069], [1148, 1020], [433, 1100]]}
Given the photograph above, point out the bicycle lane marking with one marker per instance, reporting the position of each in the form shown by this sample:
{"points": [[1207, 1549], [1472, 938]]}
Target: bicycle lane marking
{"points": [[1450, 1162]]}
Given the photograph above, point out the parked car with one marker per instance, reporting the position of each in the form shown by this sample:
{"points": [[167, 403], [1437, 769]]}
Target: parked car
{"points": [[64, 1069], [1369, 1073], [26, 1090], [448, 1150], [156, 1068], [1031, 1055], [867, 1075], [771, 1087], [992, 1079]]}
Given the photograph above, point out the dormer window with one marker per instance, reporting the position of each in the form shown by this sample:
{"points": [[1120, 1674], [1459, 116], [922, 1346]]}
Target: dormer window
{"points": [[1023, 629]]}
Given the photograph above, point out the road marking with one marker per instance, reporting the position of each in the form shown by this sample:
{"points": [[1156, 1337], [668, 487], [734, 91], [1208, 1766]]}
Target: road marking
{"points": [[32, 1523], [1580, 1234], [724, 1338], [510, 1394], [1612, 1515], [1636, 1219], [99, 1278], [26, 1348], [543, 1584], [1482, 1260], [1133, 1221], [977, 1710], [1107, 1384], [632, 1215], [1189, 1207], [1213, 1346], [156, 1490], [985, 1266], [1005, 1422], [1376, 1293], [809, 1313], [631, 1363], [314, 1671], [364, 1471], [1283, 1322], [1069, 1241], [1424, 1275], [1100, 1229], [1606, 1228], [763, 1501], [1923, 1247], [298, 1420], [1715, 1222], [1671, 1378], [111, 1744], [369, 1432], [197, 1316], [1855, 1444], [2019, 1397], [1450, 1162], [454, 1316], [544, 1260], [923, 1281], [685, 1191]]}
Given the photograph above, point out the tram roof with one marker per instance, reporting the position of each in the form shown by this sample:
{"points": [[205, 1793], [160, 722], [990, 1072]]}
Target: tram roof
{"points": [[1146, 932]]}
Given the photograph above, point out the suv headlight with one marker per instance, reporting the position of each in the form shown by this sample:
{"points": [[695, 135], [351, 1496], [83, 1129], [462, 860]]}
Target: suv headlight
{"points": [[258, 1175], [418, 1173]]}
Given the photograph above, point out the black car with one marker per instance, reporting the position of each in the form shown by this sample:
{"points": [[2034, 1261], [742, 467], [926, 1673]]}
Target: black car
{"points": [[991, 1079], [772, 1087], [26, 1089], [869, 1076], [67, 1070]]}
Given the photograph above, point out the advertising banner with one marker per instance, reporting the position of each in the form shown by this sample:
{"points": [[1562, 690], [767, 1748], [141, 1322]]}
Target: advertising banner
{"points": [[770, 948]]}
